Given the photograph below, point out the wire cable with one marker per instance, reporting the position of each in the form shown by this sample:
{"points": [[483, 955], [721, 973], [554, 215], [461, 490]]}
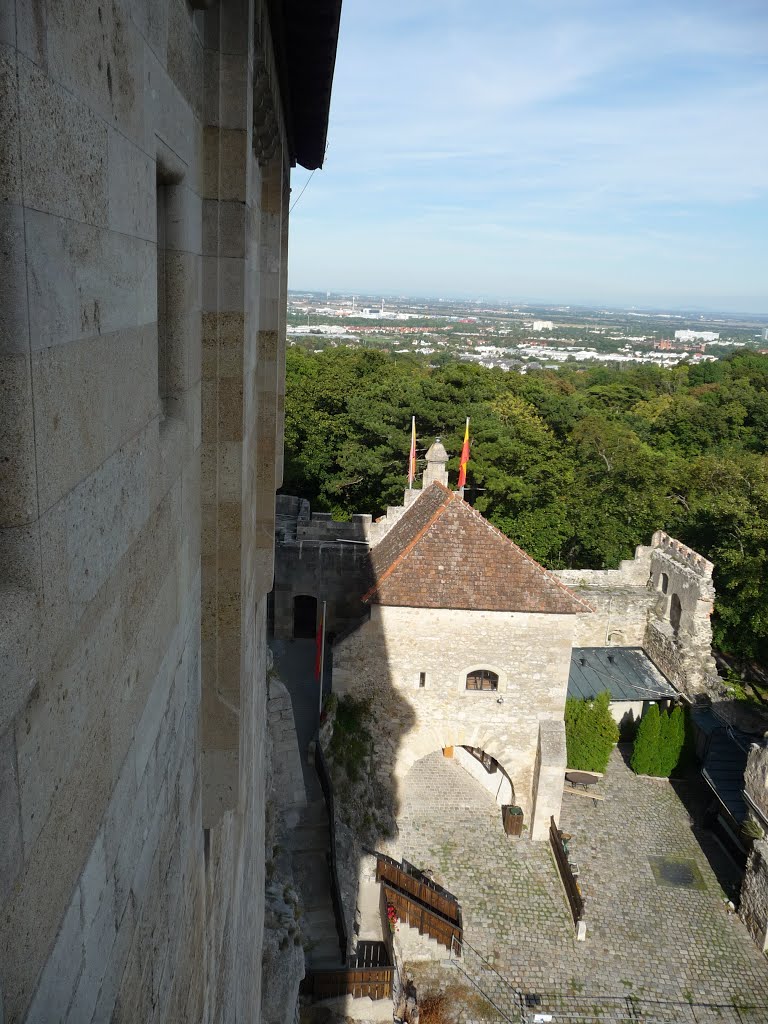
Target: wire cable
{"points": [[298, 197]]}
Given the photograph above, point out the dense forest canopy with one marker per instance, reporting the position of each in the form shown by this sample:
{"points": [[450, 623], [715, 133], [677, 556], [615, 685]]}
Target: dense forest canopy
{"points": [[577, 466]]}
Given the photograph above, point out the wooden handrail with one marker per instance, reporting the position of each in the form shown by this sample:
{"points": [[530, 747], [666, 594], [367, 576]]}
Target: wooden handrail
{"points": [[338, 910], [575, 899]]}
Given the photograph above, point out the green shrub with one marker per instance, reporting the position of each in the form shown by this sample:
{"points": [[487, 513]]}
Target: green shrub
{"points": [[675, 740], [590, 733], [351, 740], [646, 749], [660, 746]]}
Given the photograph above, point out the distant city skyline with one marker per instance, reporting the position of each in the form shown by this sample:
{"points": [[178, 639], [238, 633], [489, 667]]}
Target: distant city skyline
{"points": [[582, 152]]}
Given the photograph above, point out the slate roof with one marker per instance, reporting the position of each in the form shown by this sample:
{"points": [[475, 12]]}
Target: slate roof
{"points": [[443, 554], [626, 672], [725, 761]]}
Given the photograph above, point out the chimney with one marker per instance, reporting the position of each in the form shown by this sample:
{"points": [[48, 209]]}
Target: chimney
{"points": [[437, 460]]}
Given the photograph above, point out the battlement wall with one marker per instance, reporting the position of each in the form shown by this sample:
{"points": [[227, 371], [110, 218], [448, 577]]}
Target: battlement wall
{"points": [[663, 544]]}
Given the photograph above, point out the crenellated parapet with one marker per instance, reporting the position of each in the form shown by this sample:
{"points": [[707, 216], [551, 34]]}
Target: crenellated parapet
{"points": [[663, 544], [678, 635]]}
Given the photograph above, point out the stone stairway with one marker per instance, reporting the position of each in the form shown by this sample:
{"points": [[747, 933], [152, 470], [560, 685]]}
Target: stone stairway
{"points": [[309, 844], [414, 947]]}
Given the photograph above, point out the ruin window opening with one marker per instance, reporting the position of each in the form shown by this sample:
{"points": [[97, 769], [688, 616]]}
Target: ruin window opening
{"points": [[161, 219], [168, 198], [664, 583], [422, 680], [207, 849], [674, 612], [482, 679]]}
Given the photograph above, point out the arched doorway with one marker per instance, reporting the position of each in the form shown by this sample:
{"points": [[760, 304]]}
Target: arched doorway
{"points": [[674, 612], [304, 617]]}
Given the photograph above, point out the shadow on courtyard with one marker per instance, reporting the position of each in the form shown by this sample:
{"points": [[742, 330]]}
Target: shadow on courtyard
{"points": [[717, 841], [376, 674]]}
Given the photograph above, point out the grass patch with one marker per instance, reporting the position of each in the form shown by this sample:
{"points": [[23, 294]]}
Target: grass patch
{"points": [[351, 741]]}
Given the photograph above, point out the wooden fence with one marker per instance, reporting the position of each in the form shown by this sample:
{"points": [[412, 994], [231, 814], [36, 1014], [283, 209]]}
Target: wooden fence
{"points": [[420, 902], [369, 973], [575, 899], [374, 982]]}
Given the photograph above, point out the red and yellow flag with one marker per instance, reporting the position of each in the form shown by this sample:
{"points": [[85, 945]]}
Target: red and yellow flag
{"points": [[412, 456], [464, 457]]}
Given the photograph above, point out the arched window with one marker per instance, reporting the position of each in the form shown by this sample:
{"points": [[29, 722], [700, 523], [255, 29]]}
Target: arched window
{"points": [[674, 612], [664, 583], [482, 679]]}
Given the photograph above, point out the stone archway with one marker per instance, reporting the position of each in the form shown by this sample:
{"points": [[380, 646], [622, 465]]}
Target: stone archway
{"points": [[488, 772], [535, 771], [510, 781], [304, 617]]}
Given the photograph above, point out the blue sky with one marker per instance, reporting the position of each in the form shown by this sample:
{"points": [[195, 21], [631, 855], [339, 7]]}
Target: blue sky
{"points": [[594, 151]]}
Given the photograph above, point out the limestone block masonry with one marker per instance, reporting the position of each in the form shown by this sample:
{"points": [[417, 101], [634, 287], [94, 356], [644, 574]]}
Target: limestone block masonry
{"points": [[144, 177], [384, 658], [753, 908], [753, 905]]}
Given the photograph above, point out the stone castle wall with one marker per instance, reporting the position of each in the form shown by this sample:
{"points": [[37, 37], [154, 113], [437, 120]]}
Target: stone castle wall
{"points": [[753, 905], [320, 558], [679, 634], [662, 601], [620, 600], [383, 660], [136, 504]]}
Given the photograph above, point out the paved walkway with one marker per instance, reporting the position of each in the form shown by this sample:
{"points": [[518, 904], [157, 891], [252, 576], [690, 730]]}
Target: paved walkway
{"points": [[309, 841], [645, 940]]}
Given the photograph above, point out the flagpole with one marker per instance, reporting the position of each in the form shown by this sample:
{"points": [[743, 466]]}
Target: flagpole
{"points": [[464, 460], [322, 661], [412, 455]]}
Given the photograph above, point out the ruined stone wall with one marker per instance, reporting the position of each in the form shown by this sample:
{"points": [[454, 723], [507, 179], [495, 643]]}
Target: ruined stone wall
{"points": [[620, 598], [114, 901], [756, 780], [662, 601], [753, 904], [679, 634], [383, 660]]}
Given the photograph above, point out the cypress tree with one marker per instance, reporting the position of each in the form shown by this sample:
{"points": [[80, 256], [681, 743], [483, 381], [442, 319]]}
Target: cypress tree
{"points": [[671, 740], [677, 723], [645, 752], [590, 733], [663, 762]]}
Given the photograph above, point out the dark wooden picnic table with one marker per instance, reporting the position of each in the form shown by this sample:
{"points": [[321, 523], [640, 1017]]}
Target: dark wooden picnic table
{"points": [[584, 779]]}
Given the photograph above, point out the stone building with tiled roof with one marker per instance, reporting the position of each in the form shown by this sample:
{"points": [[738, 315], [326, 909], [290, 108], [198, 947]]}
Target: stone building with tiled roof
{"points": [[444, 554], [462, 640], [468, 645]]}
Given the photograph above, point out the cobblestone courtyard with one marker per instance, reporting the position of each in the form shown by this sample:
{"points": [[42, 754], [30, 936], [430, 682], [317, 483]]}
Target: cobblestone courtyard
{"points": [[643, 939]]}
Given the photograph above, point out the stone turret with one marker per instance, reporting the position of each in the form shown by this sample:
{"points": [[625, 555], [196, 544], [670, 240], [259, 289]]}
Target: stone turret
{"points": [[437, 460]]}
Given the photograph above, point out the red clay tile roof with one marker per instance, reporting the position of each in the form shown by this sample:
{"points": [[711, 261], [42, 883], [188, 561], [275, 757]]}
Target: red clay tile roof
{"points": [[443, 554]]}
